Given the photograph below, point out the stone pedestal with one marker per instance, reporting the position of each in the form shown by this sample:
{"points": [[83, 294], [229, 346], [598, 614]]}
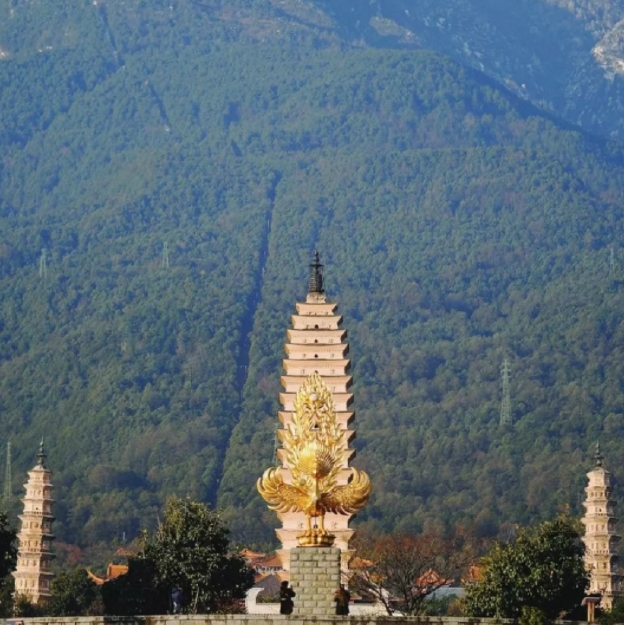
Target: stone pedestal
{"points": [[315, 577]]}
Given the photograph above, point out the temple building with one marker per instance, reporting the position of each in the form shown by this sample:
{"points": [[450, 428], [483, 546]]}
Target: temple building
{"points": [[600, 538], [34, 555], [316, 343], [115, 569]]}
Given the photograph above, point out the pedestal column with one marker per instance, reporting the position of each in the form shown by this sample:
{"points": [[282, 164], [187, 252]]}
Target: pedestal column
{"points": [[315, 577]]}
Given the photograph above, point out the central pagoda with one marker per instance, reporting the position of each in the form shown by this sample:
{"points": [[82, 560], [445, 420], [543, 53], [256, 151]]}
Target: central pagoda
{"points": [[316, 344]]}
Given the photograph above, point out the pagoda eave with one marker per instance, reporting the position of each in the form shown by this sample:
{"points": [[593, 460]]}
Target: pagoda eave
{"points": [[326, 336], [323, 367]]}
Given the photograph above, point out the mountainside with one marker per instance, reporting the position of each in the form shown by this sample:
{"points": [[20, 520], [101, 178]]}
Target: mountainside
{"points": [[167, 172], [564, 55]]}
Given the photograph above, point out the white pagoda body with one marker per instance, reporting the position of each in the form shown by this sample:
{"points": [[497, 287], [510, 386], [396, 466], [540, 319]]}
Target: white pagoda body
{"points": [[32, 574], [600, 539], [316, 344]]}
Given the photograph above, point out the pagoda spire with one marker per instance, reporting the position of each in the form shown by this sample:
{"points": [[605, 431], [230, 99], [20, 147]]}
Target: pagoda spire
{"points": [[316, 278], [601, 539], [41, 456]]}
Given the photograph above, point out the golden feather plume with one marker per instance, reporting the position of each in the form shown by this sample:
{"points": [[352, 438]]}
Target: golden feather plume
{"points": [[316, 453]]}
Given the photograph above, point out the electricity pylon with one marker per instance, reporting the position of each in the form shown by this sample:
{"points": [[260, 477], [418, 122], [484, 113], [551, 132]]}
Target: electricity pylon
{"points": [[612, 261], [505, 411], [43, 265]]}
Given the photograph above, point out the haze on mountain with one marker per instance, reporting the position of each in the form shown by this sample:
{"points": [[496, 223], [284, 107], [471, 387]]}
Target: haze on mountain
{"points": [[167, 170], [566, 56]]}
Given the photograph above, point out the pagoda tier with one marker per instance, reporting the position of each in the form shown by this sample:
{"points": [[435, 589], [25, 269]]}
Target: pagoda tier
{"points": [[34, 557], [316, 344], [601, 556]]}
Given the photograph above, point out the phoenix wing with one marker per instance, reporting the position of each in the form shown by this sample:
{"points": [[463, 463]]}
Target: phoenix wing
{"points": [[350, 498], [281, 497]]}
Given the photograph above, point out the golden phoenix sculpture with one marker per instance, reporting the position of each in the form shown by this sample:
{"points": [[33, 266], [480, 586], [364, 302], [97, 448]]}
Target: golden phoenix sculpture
{"points": [[316, 451]]}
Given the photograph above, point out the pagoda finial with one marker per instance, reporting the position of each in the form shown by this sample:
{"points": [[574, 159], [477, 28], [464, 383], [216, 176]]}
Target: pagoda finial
{"points": [[41, 456], [316, 279], [598, 456]]}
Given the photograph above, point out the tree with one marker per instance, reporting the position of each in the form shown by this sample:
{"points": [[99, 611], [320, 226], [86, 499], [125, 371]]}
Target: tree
{"points": [[8, 550], [7, 590], [8, 559], [400, 570], [138, 592], [190, 551], [23, 606], [73, 593], [542, 570], [613, 616]]}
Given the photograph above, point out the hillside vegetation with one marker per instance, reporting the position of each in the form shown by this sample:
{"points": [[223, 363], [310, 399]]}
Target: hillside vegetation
{"points": [[167, 172]]}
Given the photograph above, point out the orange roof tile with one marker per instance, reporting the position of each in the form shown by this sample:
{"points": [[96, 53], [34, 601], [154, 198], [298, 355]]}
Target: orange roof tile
{"points": [[248, 553], [113, 571], [122, 552], [260, 576], [473, 575], [273, 561], [95, 578], [431, 578]]}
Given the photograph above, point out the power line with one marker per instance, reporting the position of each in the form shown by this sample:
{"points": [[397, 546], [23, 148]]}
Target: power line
{"points": [[505, 412], [165, 256], [611, 261]]}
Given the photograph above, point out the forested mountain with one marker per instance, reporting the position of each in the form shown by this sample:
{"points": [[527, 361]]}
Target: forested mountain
{"points": [[167, 170], [564, 55]]}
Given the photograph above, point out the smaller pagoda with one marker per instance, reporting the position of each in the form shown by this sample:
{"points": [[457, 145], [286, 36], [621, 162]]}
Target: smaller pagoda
{"points": [[34, 557], [600, 539]]}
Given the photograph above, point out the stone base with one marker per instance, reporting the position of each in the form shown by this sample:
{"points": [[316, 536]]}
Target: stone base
{"points": [[315, 577]]}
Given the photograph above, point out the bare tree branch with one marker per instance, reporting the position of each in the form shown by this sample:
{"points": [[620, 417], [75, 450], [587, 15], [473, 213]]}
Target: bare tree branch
{"points": [[400, 571]]}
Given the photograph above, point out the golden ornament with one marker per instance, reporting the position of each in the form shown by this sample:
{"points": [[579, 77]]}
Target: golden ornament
{"points": [[316, 451]]}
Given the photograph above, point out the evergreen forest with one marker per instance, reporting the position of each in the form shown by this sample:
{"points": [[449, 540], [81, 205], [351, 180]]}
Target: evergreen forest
{"points": [[168, 169]]}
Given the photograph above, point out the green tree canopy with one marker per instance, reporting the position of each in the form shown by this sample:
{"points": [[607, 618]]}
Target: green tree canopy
{"points": [[543, 569], [73, 593], [613, 616], [191, 551], [7, 590], [8, 550], [8, 559], [138, 592]]}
